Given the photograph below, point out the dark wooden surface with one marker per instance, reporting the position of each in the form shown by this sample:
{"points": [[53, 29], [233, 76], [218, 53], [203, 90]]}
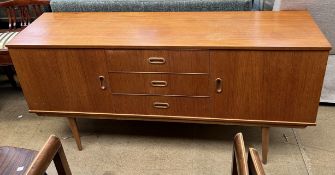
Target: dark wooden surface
{"points": [[290, 30], [5, 58], [20, 161], [12, 158]]}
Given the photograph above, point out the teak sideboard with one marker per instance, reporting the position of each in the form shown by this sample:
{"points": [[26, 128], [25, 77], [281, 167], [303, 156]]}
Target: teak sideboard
{"points": [[244, 68]]}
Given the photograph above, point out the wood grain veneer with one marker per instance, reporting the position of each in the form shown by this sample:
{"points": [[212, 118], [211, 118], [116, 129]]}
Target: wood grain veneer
{"points": [[178, 106], [62, 79], [289, 30], [161, 84], [169, 118], [257, 85], [246, 68], [268, 85], [176, 61]]}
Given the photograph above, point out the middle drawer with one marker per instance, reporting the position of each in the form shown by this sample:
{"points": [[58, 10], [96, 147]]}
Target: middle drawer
{"points": [[159, 84]]}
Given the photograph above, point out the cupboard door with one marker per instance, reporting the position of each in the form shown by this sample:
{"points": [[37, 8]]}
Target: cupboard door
{"points": [[277, 86], [63, 79]]}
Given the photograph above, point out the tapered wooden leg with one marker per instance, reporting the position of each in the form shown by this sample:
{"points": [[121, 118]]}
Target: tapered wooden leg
{"points": [[10, 74], [75, 132], [265, 144]]}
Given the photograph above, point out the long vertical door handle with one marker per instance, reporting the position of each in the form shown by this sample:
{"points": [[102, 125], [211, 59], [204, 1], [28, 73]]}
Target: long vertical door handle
{"points": [[102, 82], [218, 83]]}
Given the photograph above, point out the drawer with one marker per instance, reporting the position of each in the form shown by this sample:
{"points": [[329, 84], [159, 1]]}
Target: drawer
{"points": [[163, 84], [181, 61], [160, 105]]}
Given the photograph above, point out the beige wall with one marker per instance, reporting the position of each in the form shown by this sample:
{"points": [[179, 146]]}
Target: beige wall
{"points": [[323, 12]]}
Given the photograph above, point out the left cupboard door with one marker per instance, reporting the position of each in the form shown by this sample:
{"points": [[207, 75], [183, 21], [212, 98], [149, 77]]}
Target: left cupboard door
{"points": [[63, 80]]}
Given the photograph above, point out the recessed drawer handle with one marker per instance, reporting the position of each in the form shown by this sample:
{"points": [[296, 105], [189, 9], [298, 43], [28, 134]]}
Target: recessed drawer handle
{"points": [[156, 60], [218, 82], [102, 82], [156, 83], [160, 105]]}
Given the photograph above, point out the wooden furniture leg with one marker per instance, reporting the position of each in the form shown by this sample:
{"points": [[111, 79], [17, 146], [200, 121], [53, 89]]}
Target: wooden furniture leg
{"points": [[10, 74], [265, 144], [75, 132]]}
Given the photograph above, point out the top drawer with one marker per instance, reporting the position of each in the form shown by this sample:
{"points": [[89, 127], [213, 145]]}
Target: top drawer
{"points": [[178, 61]]}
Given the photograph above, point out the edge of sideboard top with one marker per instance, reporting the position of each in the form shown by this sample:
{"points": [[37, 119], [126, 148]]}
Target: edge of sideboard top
{"points": [[247, 30], [167, 47]]}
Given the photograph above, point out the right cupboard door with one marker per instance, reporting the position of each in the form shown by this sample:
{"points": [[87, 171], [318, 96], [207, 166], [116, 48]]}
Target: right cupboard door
{"points": [[271, 87]]}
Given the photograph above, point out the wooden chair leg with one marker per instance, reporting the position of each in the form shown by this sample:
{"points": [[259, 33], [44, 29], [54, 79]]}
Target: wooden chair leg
{"points": [[234, 165], [265, 143], [75, 132], [61, 163], [10, 74]]}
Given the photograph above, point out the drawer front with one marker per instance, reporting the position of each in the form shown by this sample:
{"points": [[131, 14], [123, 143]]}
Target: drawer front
{"points": [[162, 84], [159, 105], [180, 61]]}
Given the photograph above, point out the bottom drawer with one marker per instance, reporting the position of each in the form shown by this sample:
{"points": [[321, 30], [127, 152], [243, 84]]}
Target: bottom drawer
{"points": [[161, 105]]}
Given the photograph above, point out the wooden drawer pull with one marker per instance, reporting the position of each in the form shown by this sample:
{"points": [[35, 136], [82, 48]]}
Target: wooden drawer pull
{"points": [[160, 105], [156, 60], [156, 83], [218, 82]]}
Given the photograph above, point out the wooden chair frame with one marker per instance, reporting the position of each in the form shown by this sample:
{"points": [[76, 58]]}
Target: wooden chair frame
{"points": [[254, 163], [52, 150], [23, 7], [239, 160]]}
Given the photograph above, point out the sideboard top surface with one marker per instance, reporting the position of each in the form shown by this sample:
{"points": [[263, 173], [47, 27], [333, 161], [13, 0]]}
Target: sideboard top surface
{"points": [[285, 30]]}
